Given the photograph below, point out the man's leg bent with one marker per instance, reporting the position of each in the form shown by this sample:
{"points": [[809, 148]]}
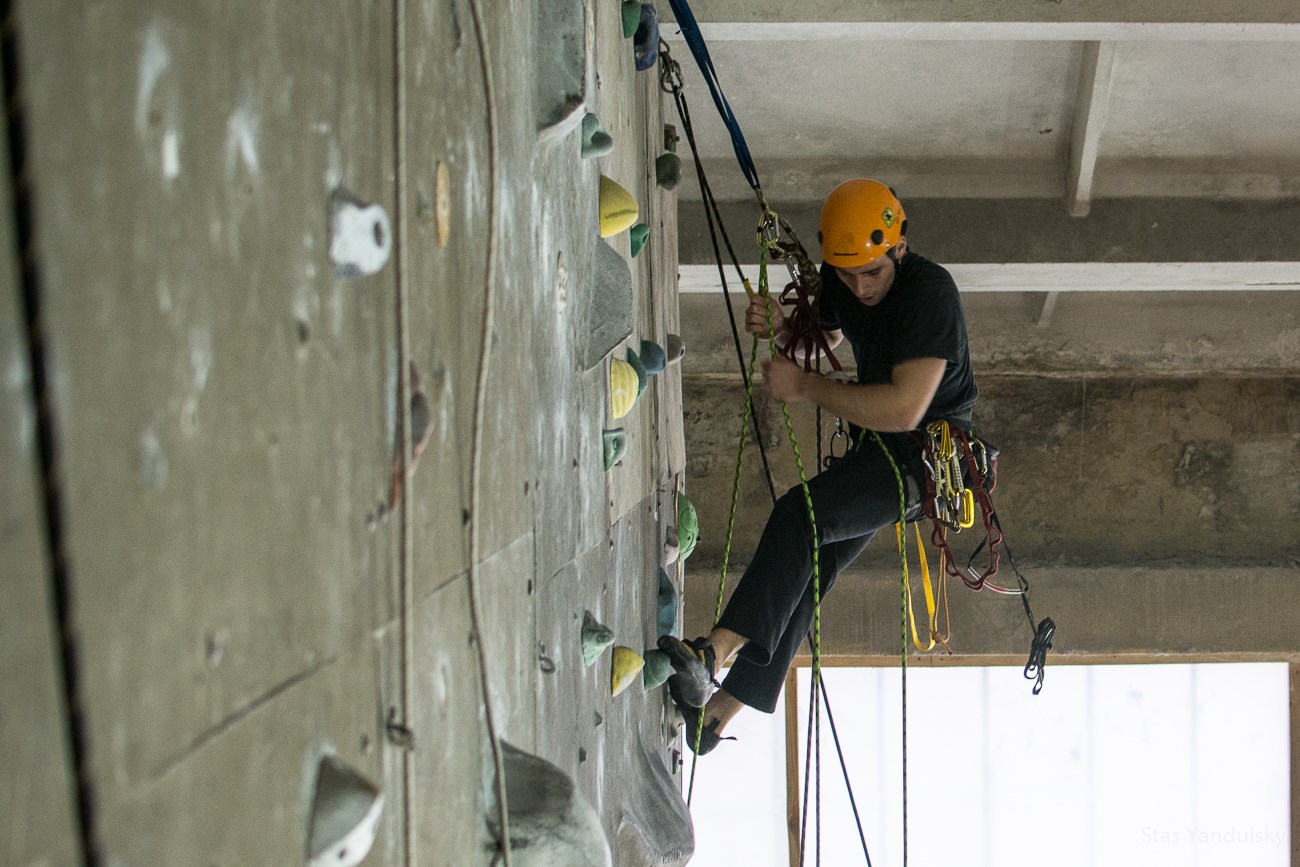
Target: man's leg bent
{"points": [[759, 684]]}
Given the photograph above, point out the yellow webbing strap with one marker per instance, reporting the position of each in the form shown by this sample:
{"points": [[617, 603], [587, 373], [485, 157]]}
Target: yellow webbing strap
{"points": [[926, 586]]}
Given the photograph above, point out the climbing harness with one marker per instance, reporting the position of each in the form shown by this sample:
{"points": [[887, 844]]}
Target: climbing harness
{"points": [[958, 466]]}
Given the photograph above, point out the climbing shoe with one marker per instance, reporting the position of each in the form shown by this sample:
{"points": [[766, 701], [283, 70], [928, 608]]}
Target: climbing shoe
{"points": [[709, 737], [692, 680]]}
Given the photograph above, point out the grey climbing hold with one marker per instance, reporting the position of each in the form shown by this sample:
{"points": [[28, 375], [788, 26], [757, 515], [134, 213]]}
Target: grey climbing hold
{"points": [[344, 816], [646, 39], [652, 358], [607, 318], [551, 823], [596, 638], [637, 238], [674, 348], [614, 446], [360, 236], [688, 526], [657, 669], [655, 829], [672, 548], [595, 141], [666, 618], [668, 170]]}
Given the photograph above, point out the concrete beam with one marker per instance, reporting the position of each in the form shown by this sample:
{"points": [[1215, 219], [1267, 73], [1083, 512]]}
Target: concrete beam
{"points": [[1083, 277], [991, 31], [1003, 231], [790, 181], [1089, 120], [1205, 612], [1000, 19]]}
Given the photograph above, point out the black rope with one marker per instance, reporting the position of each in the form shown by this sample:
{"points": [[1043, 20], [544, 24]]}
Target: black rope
{"points": [[1044, 630], [853, 803]]}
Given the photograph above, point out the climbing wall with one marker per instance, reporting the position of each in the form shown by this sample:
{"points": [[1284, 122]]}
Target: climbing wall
{"points": [[316, 283]]}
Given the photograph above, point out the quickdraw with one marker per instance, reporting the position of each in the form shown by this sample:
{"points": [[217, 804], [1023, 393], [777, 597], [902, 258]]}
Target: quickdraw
{"points": [[949, 501]]}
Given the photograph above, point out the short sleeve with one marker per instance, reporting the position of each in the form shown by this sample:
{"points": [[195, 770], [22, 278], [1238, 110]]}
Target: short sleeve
{"points": [[930, 324]]}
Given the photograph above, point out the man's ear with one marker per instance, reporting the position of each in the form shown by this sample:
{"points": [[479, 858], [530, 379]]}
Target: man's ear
{"points": [[901, 246]]}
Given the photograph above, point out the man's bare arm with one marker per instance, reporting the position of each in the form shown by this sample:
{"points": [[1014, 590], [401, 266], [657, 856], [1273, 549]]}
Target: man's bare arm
{"points": [[894, 406]]}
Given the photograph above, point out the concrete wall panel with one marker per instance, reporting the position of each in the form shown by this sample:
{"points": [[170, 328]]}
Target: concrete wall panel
{"points": [[506, 588], [445, 284], [245, 795], [37, 795], [452, 766], [225, 402], [572, 702]]}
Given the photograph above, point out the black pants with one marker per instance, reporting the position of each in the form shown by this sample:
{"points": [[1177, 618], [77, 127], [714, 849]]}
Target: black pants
{"points": [[772, 605]]}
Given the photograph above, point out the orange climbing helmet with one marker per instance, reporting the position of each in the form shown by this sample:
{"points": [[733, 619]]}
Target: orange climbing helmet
{"points": [[862, 220]]}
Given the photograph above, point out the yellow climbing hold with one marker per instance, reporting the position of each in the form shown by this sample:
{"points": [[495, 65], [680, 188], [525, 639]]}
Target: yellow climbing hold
{"points": [[623, 386], [627, 665], [618, 210]]}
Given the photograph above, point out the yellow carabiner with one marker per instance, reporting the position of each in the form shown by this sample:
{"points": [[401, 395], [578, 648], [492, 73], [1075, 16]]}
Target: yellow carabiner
{"points": [[967, 508]]}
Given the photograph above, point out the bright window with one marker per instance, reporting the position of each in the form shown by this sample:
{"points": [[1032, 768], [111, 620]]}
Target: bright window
{"points": [[1178, 765]]}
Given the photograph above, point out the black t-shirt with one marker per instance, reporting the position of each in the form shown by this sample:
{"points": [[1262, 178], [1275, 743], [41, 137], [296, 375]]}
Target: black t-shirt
{"points": [[920, 317]]}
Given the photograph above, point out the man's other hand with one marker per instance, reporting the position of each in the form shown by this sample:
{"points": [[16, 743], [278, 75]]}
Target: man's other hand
{"points": [[785, 379]]}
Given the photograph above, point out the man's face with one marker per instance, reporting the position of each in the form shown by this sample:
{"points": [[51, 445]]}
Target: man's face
{"points": [[871, 282]]}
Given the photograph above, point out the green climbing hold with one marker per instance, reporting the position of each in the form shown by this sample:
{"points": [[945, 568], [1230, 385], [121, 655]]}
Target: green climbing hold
{"points": [[638, 236], [596, 638], [688, 526], [668, 170], [658, 667], [631, 11], [614, 444], [595, 141], [642, 378]]}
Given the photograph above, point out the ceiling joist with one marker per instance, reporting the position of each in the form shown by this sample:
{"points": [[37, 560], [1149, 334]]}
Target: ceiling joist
{"points": [[1089, 121]]}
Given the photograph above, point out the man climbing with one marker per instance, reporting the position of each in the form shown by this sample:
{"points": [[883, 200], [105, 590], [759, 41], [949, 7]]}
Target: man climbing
{"points": [[903, 318]]}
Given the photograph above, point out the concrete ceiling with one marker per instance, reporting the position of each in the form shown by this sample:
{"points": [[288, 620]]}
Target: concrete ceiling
{"points": [[994, 99], [1040, 148]]}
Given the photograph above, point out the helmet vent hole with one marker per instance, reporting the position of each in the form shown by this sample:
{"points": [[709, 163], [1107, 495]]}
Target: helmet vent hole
{"points": [[877, 237]]}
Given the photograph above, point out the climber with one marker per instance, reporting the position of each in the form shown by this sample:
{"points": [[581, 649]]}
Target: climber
{"points": [[903, 319]]}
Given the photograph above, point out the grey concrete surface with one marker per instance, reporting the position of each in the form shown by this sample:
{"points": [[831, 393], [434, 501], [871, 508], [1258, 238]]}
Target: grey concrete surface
{"points": [[1026, 230], [1094, 472]]}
